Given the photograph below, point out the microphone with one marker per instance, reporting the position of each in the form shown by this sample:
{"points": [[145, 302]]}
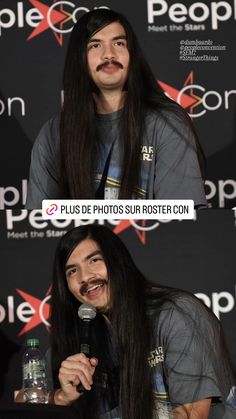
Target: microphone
{"points": [[86, 313]]}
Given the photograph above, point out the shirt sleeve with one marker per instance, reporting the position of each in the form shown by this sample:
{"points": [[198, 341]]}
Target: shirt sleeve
{"points": [[44, 168], [177, 170], [192, 353]]}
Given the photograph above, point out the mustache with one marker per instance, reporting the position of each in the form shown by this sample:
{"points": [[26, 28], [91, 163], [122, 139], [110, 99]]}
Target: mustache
{"points": [[84, 288], [108, 62]]}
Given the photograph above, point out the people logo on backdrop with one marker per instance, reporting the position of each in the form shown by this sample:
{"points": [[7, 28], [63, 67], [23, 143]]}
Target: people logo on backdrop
{"points": [[30, 225], [59, 16], [54, 15], [33, 312], [190, 16]]}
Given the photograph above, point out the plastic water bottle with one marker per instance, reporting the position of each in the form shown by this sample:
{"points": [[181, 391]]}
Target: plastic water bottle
{"points": [[35, 383]]}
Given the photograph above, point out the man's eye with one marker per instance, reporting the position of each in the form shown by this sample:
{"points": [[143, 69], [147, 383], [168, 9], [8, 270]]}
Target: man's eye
{"points": [[71, 272], [120, 43], [94, 46], [94, 260]]}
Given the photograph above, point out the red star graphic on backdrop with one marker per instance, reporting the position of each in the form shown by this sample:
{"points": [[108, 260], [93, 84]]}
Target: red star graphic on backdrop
{"points": [[198, 100], [56, 18], [125, 224], [186, 101], [36, 305]]}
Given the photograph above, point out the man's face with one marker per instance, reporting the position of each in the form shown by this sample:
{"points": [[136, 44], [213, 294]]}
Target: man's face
{"points": [[108, 57], [86, 275]]}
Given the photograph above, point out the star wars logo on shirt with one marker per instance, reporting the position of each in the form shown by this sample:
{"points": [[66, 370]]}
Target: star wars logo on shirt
{"points": [[156, 356], [146, 153]]}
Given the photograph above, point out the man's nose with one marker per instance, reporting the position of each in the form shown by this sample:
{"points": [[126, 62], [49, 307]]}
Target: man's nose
{"points": [[108, 52], [86, 275]]}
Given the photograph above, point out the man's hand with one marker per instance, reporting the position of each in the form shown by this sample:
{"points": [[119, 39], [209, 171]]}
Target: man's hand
{"points": [[74, 370], [196, 410]]}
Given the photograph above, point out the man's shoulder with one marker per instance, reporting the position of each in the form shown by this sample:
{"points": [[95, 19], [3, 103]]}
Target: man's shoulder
{"points": [[52, 125], [49, 134], [170, 301], [172, 115]]}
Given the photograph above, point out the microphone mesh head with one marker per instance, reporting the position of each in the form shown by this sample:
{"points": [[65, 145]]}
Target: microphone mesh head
{"points": [[87, 312]]}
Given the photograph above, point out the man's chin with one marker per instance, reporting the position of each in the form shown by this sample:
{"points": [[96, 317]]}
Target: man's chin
{"points": [[103, 309]]}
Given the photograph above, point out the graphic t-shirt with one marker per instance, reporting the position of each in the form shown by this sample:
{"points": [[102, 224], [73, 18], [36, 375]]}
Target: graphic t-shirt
{"points": [[169, 164]]}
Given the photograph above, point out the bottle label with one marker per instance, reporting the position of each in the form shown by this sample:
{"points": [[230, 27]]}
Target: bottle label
{"points": [[34, 370]]}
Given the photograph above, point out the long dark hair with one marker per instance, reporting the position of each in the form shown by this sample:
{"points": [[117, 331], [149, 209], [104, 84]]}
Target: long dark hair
{"points": [[127, 288], [79, 142]]}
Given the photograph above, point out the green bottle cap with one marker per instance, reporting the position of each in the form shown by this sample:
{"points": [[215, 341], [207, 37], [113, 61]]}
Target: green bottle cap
{"points": [[32, 342]]}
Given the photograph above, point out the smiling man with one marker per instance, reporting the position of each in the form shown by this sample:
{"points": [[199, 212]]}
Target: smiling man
{"points": [[155, 350], [118, 135], [86, 275]]}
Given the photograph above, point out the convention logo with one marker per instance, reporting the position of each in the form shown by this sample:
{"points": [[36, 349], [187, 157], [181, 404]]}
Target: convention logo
{"points": [[32, 311], [219, 302], [11, 196], [25, 224], [57, 16], [196, 99], [12, 105], [191, 15], [141, 227]]}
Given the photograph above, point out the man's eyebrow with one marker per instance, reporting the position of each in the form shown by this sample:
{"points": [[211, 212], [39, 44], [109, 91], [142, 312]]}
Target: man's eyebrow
{"points": [[119, 37], [94, 253], [90, 255], [115, 38]]}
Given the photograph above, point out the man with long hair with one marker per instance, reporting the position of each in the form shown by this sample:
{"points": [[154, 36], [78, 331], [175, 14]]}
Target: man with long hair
{"points": [[156, 352], [118, 136]]}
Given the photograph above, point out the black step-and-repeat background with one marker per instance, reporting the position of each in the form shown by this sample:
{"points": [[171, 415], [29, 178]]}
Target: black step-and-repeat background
{"points": [[196, 255], [189, 45]]}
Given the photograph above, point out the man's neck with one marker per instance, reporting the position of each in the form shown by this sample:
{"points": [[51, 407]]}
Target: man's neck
{"points": [[109, 102]]}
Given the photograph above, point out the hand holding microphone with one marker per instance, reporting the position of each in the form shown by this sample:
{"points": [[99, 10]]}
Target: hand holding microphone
{"points": [[76, 372], [86, 313]]}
